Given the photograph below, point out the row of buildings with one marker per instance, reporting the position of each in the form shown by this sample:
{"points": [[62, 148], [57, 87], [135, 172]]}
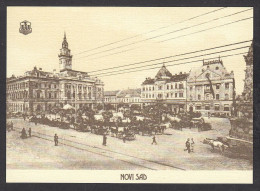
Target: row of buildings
{"points": [[208, 88]]}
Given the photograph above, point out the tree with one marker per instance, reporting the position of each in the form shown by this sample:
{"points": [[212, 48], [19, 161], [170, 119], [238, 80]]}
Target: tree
{"points": [[100, 107], [109, 107], [107, 115], [135, 107]]}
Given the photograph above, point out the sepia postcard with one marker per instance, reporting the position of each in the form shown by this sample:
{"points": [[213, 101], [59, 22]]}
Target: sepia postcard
{"points": [[129, 94]]}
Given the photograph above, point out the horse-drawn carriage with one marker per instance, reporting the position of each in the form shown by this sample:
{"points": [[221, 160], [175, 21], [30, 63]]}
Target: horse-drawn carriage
{"points": [[146, 130], [63, 125], [82, 127], [99, 130], [130, 135], [201, 124]]}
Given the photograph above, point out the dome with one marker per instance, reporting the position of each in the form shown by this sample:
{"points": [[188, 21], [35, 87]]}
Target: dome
{"points": [[163, 72]]}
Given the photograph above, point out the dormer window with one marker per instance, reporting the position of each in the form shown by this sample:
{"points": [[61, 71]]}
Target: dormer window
{"points": [[217, 68]]}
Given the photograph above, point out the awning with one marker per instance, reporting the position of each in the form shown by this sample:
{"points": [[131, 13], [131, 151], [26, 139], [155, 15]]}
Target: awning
{"points": [[67, 107]]}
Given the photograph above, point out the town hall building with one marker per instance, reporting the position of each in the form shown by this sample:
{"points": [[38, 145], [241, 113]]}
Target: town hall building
{"points": [[39, 91]]}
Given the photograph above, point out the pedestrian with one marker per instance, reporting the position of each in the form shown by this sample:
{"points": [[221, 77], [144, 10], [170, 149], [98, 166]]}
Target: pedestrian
{"points": [[12, 125], [192, 145], [24, 135], [56, 140], [30, 132], [154, 140], [187, 144], [124, 137], [104, 140]]}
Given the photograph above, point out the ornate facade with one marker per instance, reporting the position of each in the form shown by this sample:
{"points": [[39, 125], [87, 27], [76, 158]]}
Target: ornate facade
{"points": [[165, 88], [39, 91], [211, 88]]}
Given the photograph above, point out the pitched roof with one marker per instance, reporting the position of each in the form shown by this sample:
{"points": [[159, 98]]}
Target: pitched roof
{"points": [[148, 81], [179, 77], [111, 93], [130, 93]]}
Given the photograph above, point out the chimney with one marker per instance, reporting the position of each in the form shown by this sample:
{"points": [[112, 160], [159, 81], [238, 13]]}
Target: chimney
{"points": [[40, 68]]}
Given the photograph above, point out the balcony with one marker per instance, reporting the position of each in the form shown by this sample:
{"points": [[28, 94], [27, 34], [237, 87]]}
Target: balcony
{"points": [[207, 91]]}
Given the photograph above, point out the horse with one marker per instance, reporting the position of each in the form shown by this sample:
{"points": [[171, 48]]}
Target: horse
{"points": [[215, 143]]}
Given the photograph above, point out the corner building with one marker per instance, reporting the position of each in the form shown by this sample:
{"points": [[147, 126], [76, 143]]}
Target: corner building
{"points": [[211, 88], [39, 91], [167, 89]]}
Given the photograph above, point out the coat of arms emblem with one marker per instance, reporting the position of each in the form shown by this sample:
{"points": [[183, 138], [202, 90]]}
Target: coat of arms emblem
{"points": [[25, 27]]}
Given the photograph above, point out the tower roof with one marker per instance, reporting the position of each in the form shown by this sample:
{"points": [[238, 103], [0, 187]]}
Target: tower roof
{"points": [[64, 43], [163, 72]]}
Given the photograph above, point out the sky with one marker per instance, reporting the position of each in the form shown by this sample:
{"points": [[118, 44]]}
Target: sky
{"points": [[88, 28]]}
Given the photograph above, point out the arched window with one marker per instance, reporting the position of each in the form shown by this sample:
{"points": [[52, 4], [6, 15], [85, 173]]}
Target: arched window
{"points": [[226, 96]]}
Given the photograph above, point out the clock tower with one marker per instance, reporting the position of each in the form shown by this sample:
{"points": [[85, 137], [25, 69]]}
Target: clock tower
{"points": [[65, 58]]}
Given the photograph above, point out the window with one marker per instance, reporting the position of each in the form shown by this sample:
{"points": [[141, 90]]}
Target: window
{"points": [[150, 89], [168, 87], [167, 95], [49, 95], [226, 96], [180, 86], [180, 94], [160, 87], [227, 85], [216, 107], [198, 107], [217, 68], [68, 95], [176, 86], [207, 87], [176, 95], [171, 86], [226, 107], [55, 95], [207, 107], [153, 95], [217, 96], [153, 87], [217, 86], [190, 88], [191, 97], [171, 94], [199, 97], [207, 96], [143, 88], [38, 95]]}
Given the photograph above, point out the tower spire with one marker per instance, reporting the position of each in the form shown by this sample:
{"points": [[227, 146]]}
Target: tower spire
{"points": [[64, 35]]}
